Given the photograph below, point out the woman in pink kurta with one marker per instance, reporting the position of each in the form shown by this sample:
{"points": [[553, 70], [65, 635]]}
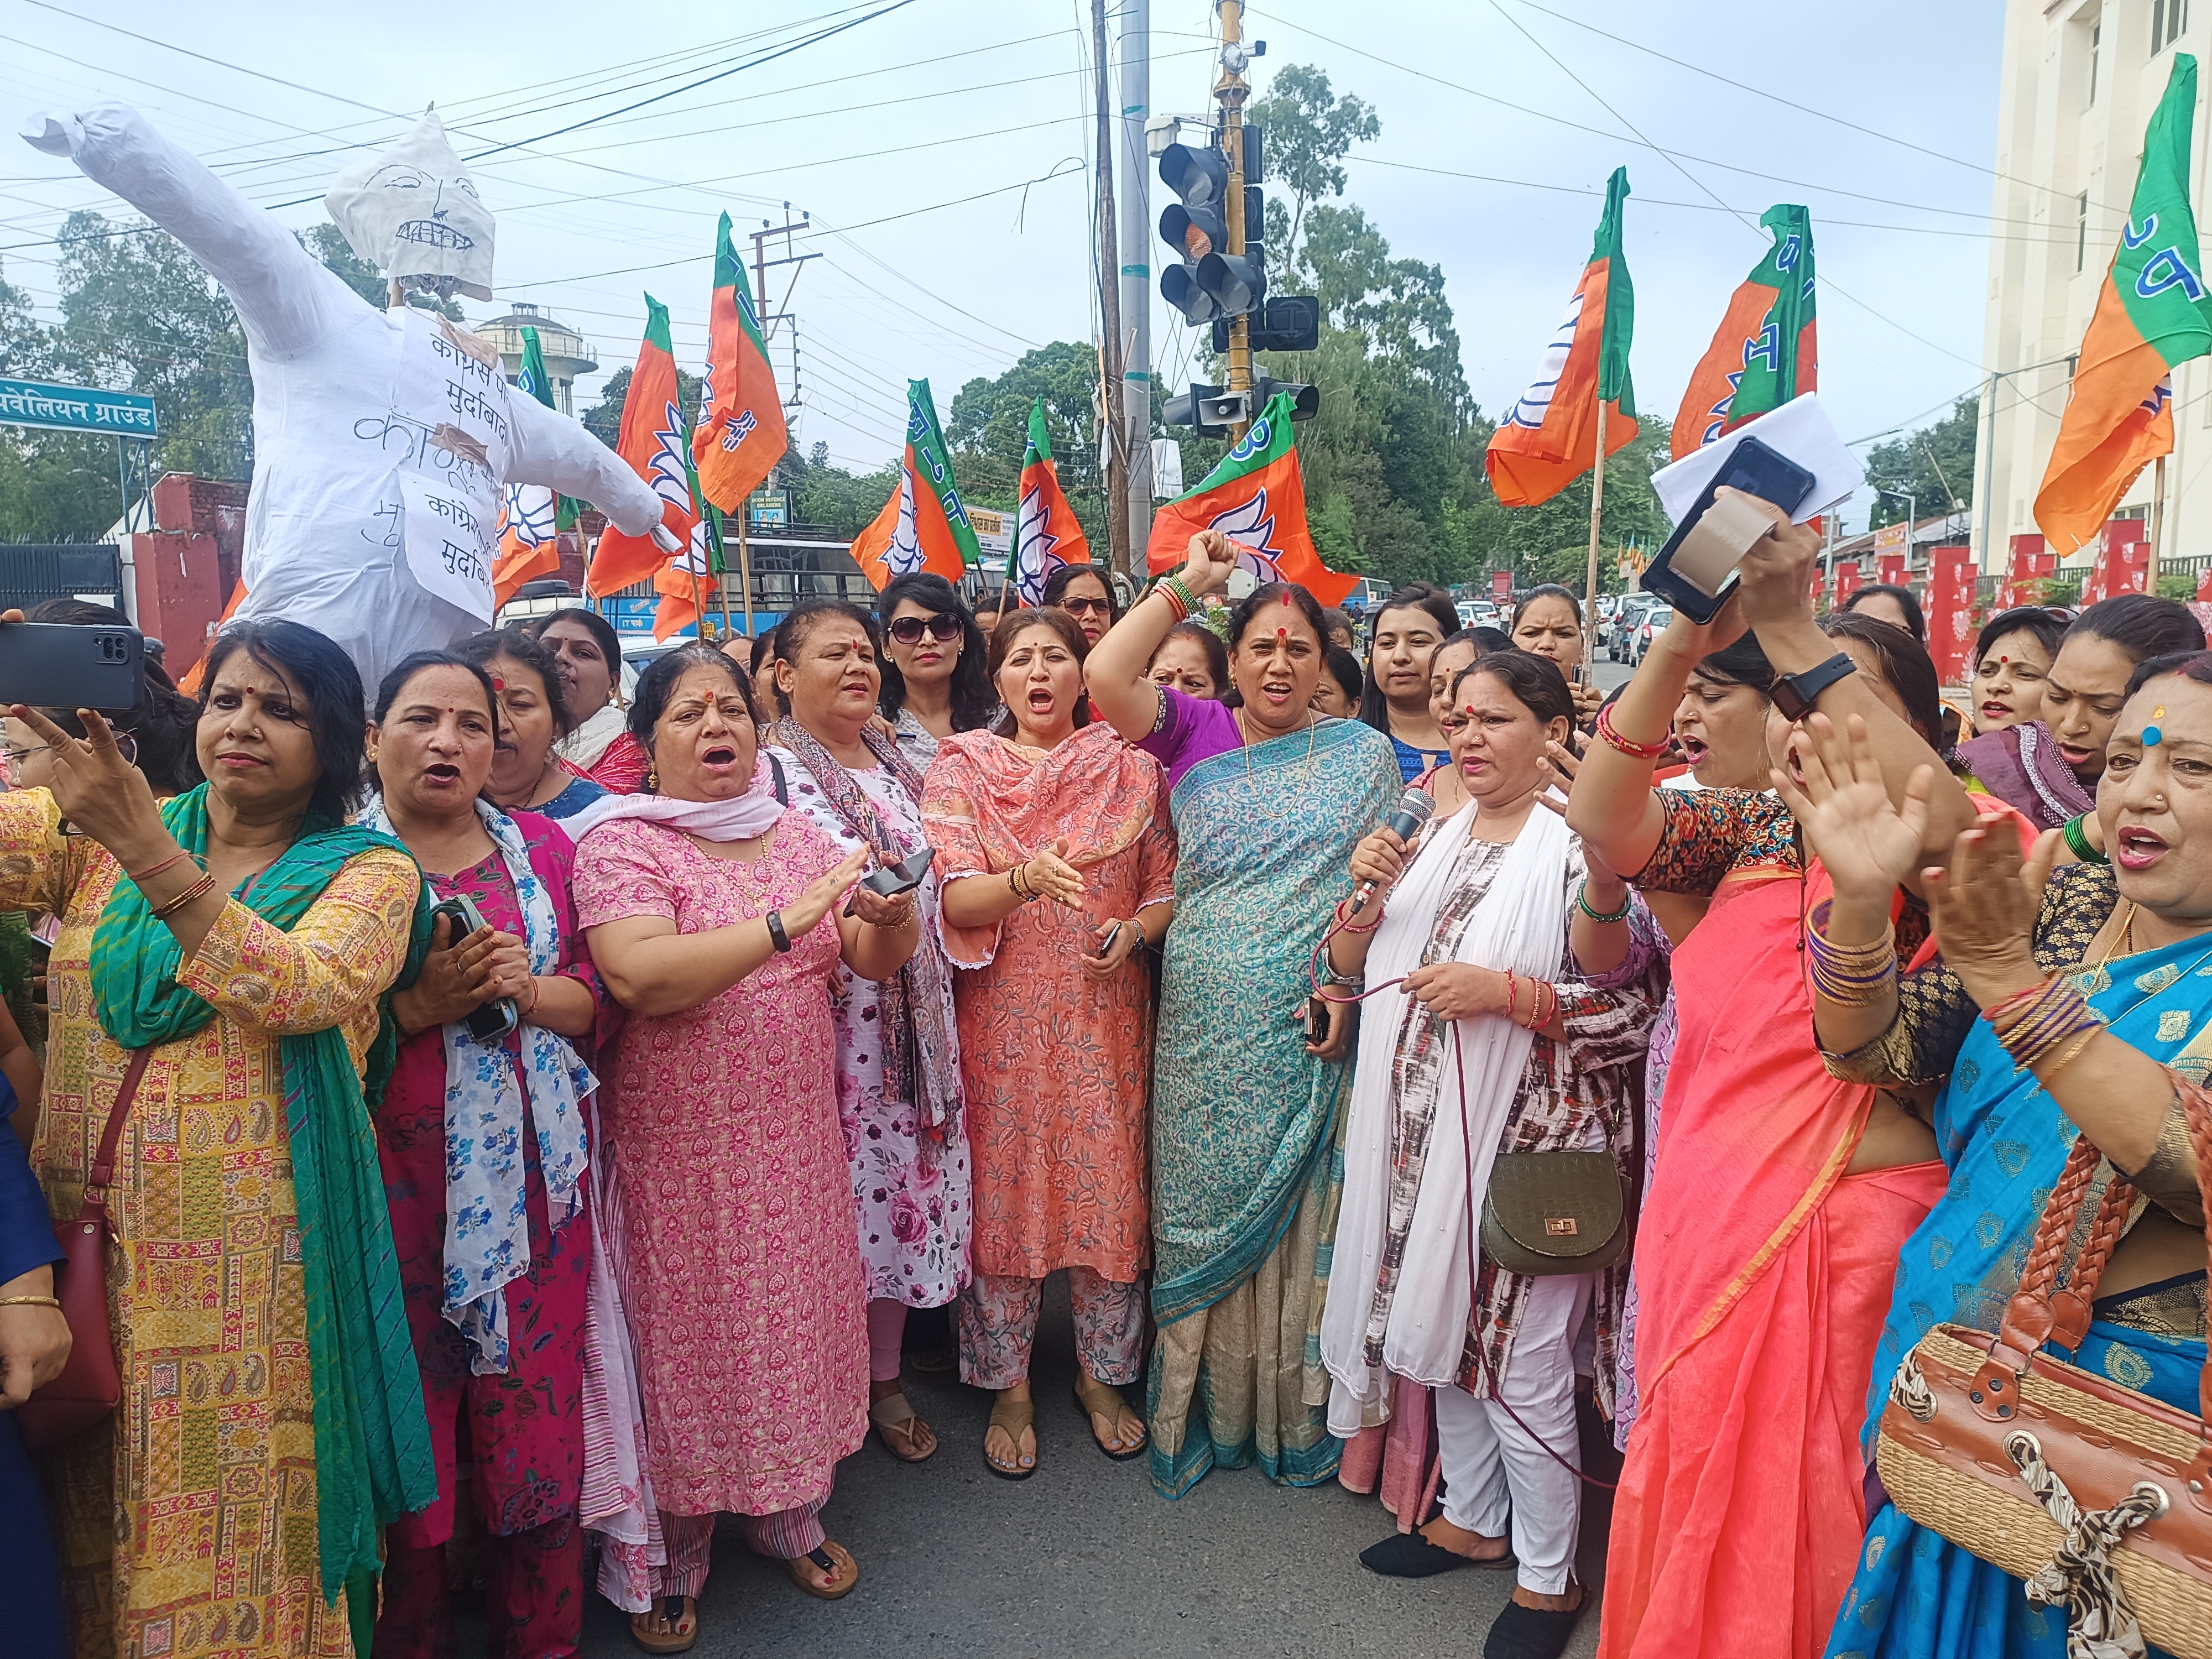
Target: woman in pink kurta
{"points": [[715, 917], [1058, 868]]}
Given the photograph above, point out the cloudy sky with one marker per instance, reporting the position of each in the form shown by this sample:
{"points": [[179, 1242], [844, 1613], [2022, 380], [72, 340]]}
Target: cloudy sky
{"points": [[1878, 114]]}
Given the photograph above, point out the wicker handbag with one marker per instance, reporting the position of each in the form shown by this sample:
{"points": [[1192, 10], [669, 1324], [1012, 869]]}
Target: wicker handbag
{"points": [[2098, 1497]]}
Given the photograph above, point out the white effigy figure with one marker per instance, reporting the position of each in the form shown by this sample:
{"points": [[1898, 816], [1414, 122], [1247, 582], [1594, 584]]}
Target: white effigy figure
{"points": [[382, 440]]}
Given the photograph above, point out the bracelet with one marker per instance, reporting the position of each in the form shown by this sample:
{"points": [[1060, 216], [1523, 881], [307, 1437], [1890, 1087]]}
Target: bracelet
{"points": [[2077, 843], [1635, 751], [535, 992], [144, 876], [198, 890], [1582, 904], [1176, 595], [30, 1302], [776, 936], [1345, 924], [2047, 1020], [1512, 995], [1851, 975]]}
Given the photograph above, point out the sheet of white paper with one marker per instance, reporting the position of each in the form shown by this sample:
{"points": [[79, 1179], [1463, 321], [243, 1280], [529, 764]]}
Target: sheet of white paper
{"points": [[445, 538], [1799, 430]]}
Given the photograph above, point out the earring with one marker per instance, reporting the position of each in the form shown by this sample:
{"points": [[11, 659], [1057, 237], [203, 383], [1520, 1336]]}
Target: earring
{"points": [[653, 779]]}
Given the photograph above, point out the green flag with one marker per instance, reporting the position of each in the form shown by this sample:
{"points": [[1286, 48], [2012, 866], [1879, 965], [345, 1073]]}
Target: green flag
{"points": [[1614, 384], [538, 384]]}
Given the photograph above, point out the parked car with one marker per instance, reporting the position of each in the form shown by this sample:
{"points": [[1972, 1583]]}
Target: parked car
{"points": [[1648, 625], [1614, 635]]}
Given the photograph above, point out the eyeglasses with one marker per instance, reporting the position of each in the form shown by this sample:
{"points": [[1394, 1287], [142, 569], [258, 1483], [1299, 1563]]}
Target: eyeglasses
{"points": [[941, 627], [1083, 607]]}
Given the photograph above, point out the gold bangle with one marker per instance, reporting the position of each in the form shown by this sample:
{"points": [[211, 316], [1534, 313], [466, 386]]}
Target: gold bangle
{"points": [[30, 1302], [198, 890]]}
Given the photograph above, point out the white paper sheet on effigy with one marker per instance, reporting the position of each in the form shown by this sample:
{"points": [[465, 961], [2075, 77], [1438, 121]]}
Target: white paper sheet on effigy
{"points": [[1799, 430]]}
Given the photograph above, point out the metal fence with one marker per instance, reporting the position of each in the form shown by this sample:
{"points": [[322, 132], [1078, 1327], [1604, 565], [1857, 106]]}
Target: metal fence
{"points": [[32, 571]]}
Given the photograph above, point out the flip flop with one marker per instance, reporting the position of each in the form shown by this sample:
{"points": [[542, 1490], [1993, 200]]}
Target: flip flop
{"points": [[1103, 1400], [892, 1412], [832, 1558], [675, 1609], [1012, 1417], [1409, 1555]]}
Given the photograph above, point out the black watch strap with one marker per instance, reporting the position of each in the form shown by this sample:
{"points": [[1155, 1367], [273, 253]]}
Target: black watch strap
{"points": [[1795, 693], [776, 936]]}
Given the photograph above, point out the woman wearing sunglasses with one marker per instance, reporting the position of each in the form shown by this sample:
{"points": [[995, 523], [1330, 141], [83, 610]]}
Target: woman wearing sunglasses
{"points": [[935, 679], [1083, 591]]}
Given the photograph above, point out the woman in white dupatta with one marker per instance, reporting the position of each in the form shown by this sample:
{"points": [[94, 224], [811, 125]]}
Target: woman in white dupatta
{"points": [[1477, 1010]]}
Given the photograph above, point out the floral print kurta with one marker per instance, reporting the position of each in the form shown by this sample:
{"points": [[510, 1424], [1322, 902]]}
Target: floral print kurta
{"points": [[728, 1186], [911, 1185], [188, 1527]]}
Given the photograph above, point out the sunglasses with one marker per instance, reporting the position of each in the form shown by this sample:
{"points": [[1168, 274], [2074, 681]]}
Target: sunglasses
{"points": [[909, 630], [1082, 607]]}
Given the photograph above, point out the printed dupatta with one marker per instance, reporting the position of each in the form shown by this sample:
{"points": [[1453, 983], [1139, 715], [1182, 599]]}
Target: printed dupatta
{"points": [[920, 1050]]}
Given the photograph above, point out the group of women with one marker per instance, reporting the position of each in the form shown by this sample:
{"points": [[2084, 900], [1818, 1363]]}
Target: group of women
{"points": [[563, 1096]]}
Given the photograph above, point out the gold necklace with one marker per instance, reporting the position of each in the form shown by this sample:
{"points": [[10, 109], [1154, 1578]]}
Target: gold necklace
{"points": [[2126, 937], [1244, 741]]}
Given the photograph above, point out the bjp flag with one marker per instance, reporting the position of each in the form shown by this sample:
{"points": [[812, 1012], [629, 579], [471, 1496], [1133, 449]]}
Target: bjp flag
{"points": [[740, 435], [656, 440], [1256, 497], [1766, 350], [923, 526], [1550, 438], [1047, 534], [681, 584], [2152, 312], [531, 517]]}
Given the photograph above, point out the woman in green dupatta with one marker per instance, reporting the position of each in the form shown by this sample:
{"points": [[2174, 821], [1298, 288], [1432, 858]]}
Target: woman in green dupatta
{"points": [[1268, 801], [272, 1415]]}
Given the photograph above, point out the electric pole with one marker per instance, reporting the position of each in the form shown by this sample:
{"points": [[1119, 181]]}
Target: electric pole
{"points": [[1112, 421], [1136, 285], [1230, 91]]}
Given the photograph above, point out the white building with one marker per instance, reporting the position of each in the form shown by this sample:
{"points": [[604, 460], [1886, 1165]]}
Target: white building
{"points": [[2080, 81]]}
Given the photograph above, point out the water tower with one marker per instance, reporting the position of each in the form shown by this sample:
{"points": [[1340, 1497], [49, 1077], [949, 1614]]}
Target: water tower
{"points": [[568, 354]]}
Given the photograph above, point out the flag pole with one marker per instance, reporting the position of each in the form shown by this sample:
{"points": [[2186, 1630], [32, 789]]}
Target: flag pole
{"points": [[2157, 524], [744, 571], [1597, 506], [699, 623]]}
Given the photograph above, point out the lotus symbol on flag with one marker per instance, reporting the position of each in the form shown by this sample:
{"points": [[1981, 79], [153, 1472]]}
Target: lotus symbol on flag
{"points": [[530, 513], [740, 430], [1252, 527], [671, 473], [1536, 401], [1032, 542], [904, 555]]}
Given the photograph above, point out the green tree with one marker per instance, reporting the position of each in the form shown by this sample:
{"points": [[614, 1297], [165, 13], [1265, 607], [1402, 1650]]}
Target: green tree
{"points": [[1550, 542], [1934, 466], [986, 428], [1309, 132], [328, 243], [54, 486], [603, 420], [838, 501]]}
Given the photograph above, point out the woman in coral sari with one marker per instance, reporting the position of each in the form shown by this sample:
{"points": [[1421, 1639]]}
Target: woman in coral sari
{"points": [[1768, 1240]]}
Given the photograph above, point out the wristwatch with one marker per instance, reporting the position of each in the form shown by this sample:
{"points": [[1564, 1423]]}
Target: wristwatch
{"points": [[776, 936], [1795, 693]]}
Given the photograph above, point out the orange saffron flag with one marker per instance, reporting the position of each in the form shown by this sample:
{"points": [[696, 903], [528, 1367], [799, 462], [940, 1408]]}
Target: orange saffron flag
{"points": [[2152, 312], [656, 440], [741, 435], [1549, 437], [923, 526]]}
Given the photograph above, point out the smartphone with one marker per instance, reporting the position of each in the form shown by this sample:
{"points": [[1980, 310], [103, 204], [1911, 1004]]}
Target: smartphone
{"points": [[62, 666], [1698, 585], [1098, 951], [901, 877], [488, 1022]]}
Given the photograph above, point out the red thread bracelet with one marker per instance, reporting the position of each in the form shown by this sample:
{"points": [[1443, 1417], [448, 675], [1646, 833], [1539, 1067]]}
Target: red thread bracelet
{"points": [[144, 876]]}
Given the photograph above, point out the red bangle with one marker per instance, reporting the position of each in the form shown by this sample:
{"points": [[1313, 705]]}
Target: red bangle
{"points": [[1637, 751], [1344, 923]]}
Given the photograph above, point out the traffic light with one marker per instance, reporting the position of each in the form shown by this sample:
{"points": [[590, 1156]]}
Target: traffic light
{"points": [[1305, 400], [1287, 322], [1211, 282]]}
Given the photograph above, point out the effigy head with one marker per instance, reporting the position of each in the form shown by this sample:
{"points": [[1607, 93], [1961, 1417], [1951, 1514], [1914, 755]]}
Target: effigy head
{"points": [[414, 213]]}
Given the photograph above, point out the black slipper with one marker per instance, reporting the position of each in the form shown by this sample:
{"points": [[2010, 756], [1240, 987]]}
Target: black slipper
{"points": [[1529, 1633], [1409, 1555]]}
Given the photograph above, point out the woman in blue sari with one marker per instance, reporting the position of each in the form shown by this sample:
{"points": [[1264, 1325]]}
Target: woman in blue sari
{"points": [[1268, 801], [2078, 1001]]}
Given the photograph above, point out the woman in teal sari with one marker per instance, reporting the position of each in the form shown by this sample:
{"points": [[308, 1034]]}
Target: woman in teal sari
{"points": [[1268, 801], [2078, 1001]]}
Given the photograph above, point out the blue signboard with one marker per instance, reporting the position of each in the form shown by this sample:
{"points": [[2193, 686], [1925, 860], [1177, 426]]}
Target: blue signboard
{"points": [[75, 408]]}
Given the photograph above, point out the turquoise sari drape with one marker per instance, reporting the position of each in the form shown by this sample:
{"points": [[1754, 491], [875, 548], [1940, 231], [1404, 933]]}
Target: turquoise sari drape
{"points": [[1917, 1595]]}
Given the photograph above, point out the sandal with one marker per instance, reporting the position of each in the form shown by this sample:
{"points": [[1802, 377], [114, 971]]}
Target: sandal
{"points": [[833, 1559], [892, 1415], [1098, 1399], [1531, 1633], [672, 1611], [1409, 1555], [1011, 1418]]}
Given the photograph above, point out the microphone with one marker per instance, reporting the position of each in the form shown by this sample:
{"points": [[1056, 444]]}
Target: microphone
{"points": [[1415, 807]]}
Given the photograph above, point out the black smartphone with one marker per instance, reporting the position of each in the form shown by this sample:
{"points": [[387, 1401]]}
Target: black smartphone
{"points": [[1697, 588], [62, 666], [1099, 949], [901, 877], [488, 1022]]}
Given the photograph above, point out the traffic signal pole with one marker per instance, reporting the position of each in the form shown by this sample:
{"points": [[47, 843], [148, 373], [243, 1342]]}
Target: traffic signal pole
{"points": [[1230, 92], [1136, 284], [1112, 400]]}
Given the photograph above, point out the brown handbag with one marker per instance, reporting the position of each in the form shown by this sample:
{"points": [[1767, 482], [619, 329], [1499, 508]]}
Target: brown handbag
{"points": [[89, 1386], [2098, 1497]]}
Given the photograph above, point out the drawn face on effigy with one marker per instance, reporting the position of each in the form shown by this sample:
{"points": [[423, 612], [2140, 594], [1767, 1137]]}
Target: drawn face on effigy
{"points": [[414, 212]]}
